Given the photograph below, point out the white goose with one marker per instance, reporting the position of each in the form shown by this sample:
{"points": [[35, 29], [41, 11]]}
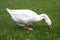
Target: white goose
{"points": [[23, 17]]}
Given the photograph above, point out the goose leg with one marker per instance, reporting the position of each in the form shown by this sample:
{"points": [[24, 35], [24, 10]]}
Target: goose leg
{"points": [[27, 27]]}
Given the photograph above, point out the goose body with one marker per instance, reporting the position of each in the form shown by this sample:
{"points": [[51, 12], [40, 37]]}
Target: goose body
{"points": [[25, 16]]}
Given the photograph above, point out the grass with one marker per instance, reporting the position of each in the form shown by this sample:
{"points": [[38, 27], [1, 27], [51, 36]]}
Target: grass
{"points": [[9, 30]]}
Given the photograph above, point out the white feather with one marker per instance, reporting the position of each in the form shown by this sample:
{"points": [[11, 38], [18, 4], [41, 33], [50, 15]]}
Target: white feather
{"points": [[25, 16]]}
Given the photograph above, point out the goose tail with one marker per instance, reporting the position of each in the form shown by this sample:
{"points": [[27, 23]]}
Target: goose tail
{"points": [[9, 11]]}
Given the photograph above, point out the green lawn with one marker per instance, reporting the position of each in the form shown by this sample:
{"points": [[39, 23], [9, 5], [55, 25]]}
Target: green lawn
{"points": [[9, 30]]}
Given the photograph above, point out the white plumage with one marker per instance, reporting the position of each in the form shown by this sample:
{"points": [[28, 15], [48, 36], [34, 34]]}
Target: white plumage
{"points": [[25, 16]]}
